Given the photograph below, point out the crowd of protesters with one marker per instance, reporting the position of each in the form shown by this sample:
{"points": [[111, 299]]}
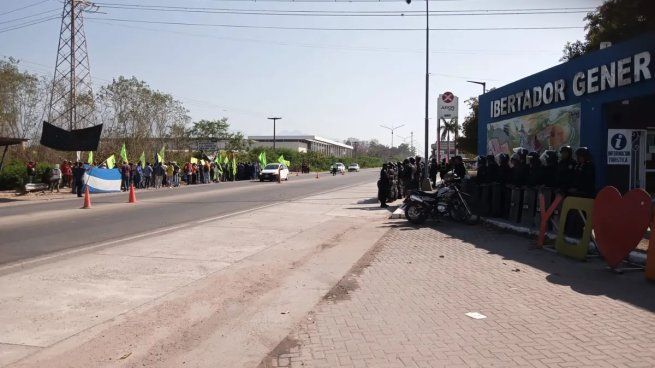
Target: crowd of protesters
{"points": [[168, 174]]}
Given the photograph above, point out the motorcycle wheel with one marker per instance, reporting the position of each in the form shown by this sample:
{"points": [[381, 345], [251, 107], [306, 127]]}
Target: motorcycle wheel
{"points": [[459, 213], [415, 214]]}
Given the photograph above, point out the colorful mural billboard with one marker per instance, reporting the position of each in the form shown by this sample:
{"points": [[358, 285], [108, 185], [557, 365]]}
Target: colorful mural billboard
{"points": [[538, 132]]}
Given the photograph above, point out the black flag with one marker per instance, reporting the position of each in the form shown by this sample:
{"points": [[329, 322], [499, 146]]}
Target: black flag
{"points": [[76, 140]]}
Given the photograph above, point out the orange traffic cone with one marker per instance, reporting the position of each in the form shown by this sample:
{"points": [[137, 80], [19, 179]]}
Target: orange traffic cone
{"points": [[132, 195], [87, 198]]}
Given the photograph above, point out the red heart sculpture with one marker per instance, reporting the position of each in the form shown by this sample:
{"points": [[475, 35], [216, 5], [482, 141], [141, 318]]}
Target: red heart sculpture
{"points": [[620, 222]]}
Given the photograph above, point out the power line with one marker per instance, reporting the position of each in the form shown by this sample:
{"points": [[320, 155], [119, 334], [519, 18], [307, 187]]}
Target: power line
{"points": [[332, 28], [335, 47], [24, 7], [51, 12], [323, 13], [28, 24]]}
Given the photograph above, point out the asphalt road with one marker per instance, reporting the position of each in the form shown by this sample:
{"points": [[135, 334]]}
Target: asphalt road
{"points": [[29, 230]]}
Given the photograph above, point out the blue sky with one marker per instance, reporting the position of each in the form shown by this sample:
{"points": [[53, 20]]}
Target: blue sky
{"points": [[336, 84]]}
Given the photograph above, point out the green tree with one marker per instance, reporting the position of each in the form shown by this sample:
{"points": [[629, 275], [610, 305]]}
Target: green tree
{"points": [[469, 141], [22, 98], [613, 21], [218, 128]]}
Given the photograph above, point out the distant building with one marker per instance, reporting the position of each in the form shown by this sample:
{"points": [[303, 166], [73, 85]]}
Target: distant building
{"points": [[304, 143]]}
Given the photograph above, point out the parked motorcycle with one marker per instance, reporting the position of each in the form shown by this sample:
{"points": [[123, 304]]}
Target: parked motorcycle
{"points": [[446, 200]]}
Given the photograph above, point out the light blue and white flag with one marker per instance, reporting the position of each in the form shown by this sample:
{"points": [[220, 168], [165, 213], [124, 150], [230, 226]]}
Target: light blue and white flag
{"points": [[103, 180]]}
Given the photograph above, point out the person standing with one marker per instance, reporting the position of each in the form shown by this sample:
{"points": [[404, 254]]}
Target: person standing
{"points": [[383, 186], [31, 171], [147, 175], [55, 177], [78, 178], [125, 176]]}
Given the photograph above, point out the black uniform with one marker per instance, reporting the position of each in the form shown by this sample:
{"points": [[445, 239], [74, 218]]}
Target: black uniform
{"points": [[565, 174], [383, 186], [584, 184]]}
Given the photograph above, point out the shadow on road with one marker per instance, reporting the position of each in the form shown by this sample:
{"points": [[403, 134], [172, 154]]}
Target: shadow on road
{"points": [[589, 278]]}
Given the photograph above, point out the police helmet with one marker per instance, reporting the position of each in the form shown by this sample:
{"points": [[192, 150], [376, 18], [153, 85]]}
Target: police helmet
{"points": [[584, 153], [503, 158], [565, 151], [491, 159], [533, 158], [481, 160], [549, 158]]}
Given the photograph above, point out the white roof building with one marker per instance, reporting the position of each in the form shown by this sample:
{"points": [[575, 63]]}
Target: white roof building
{"points": [[304, 143]]}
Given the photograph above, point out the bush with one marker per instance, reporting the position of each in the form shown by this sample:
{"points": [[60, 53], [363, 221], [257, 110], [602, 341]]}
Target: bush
{"points": [[14, 175]]}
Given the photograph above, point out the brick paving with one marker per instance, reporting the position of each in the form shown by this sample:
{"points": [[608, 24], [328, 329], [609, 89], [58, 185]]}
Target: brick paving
{"points": [[404, 305]]}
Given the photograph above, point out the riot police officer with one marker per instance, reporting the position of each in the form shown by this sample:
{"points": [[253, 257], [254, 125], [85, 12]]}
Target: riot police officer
{"points": [[504, 170], [584, 184], [519, 170], [535, 170], [383, 186], [492, 169], [549, 163], [481, 176], [565, 168]]}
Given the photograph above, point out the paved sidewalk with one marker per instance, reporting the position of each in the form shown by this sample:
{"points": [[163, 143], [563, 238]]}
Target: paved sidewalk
{"points": [[405, 305]]}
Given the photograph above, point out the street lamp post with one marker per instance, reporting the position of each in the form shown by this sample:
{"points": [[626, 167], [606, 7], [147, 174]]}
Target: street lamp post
{"points": [[483, 84], [392, 129], [427, 86], [274, 120]]}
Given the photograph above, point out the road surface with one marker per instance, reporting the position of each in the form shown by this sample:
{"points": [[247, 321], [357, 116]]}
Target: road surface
{"points": [[29, 230]]}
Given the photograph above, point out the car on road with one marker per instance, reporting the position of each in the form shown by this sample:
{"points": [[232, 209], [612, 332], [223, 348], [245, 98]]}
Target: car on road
{"points": [[353, 167], [271, 172], [340, 167]]}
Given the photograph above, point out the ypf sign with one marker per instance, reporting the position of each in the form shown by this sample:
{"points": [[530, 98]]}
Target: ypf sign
{"points": [[447, 106]]}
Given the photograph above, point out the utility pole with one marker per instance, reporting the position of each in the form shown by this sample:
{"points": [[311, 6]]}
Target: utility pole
{"points": [[71, 100], [426, 181], [392, 129], [274, 121]]}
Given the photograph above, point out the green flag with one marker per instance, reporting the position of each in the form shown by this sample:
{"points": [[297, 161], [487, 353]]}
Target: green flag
{"points": [[193, 160], [283, 161], [111, 162], [234, 166], [162, 151], [142, 159], [225, 159], [160, 158], [124, 153], [89, 160], [262, 159]]}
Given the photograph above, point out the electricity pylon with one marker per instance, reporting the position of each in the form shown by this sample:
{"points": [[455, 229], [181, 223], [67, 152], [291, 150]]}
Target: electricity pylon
{"points": [[71, 101]]}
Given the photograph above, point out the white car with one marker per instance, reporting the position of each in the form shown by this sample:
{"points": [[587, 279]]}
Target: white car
{"points": [[341, 168], [353, 167], [271, 171]]}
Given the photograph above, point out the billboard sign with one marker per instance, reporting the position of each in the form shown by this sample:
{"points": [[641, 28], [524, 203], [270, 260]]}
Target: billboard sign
{"points": [[447, 106]]}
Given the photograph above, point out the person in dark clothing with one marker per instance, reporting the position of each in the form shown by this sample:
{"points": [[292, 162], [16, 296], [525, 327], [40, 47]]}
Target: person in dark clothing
{"points": [[481, 176], [584, 184], [519, 171], [443, 169], [549, 163], [504, 170], [492, 169], [565, 169], [78, 178], [536, 174], [409, 172], [418, 173], [383, 186], [458, 167], [434, 169]]}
